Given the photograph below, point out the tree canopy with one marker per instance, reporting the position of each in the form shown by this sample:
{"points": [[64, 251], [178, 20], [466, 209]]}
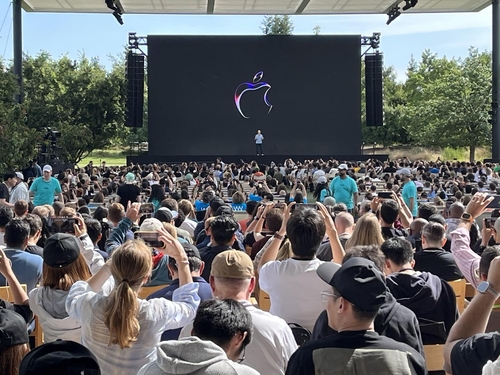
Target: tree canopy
{"points": [[277, 25]]}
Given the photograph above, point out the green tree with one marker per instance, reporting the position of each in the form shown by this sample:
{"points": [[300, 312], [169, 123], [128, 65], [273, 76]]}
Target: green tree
{"points": [[277, 25], [79, 98], [448, 101], [17, 140], [317, 29]]}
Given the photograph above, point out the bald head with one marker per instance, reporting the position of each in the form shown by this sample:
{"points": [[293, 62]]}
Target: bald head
{"points": [[417, 225], [456, 210], [344, 222]]}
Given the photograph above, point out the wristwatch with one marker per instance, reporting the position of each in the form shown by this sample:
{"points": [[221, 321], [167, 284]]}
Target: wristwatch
{"points": [[467, 217], [485, 287]]}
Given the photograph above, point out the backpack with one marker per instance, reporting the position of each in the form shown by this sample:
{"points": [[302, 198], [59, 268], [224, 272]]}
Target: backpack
{"points": [[301, 334]]}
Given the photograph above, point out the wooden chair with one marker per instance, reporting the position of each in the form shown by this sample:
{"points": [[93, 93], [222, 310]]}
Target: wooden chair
{"points": [[145, 291], [434, 358], [470, 291], [37, 333], [264, 301], [459, 289]]}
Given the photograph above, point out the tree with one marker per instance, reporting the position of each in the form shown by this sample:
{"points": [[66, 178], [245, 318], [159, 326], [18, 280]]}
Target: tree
{"points": [[448, 100], [317, 29], [17, 140], [79, 98], [277, 25]]}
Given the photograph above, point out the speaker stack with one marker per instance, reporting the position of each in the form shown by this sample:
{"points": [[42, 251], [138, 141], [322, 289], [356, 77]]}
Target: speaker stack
{"points": [[135, 90], [374, 89]]}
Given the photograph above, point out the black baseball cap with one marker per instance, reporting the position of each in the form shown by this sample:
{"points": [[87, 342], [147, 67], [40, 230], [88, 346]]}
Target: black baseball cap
{"points": [[60, 357], [13, 329], [61, 250], [358, 280], [191, 250]]}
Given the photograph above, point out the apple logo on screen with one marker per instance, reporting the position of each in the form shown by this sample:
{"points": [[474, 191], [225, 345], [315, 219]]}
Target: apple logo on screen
{"points": [[254, 86]]}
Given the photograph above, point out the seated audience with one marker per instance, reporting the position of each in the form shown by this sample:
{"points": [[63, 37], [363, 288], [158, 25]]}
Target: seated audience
{"points": [[36, 226], [344, 223], [367, 232], [6, 215]]}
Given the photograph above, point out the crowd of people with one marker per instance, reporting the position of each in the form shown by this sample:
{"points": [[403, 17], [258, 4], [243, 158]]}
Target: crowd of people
{"points": [[357, 260]]}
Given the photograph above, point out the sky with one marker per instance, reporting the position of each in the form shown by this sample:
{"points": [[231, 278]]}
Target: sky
{"points": [[99, 35]]}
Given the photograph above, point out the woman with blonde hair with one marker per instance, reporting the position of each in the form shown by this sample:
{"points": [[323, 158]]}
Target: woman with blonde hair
{"points": [[367, 232], [121, 329]]}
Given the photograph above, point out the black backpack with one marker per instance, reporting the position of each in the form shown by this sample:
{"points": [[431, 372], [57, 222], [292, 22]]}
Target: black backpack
{"points": [[301, 334]]}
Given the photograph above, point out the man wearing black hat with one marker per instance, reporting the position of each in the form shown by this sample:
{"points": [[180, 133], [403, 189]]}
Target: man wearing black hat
{"points": [[357, 292]]}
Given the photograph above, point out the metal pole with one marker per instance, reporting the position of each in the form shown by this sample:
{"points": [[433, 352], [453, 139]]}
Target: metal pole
{"points": [[18, 46], [495, 146]]}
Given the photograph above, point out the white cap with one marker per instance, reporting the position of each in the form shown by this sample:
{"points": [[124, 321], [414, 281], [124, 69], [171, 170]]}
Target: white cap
{"points": [[342, 166], [405, 172], [20, 175], [47, 168], [151, 225], [321, 180]]}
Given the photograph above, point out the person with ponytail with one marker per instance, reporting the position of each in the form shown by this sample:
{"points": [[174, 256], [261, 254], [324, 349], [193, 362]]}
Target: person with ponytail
{"points": [[121, 329]]}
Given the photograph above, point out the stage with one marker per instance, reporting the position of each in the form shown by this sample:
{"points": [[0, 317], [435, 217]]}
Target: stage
{"points": [[266, 159]]}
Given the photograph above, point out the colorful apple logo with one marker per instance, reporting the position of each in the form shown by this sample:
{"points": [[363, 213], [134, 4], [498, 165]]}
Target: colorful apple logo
{"points": [[247, 86]]}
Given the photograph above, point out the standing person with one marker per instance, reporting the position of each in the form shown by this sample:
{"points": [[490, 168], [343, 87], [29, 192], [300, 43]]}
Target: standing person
{"points": [[9, 180], [409, 192], [128, 192], [20, 191], [345, 189], [259, 138], [121, 329], [44, 188]]}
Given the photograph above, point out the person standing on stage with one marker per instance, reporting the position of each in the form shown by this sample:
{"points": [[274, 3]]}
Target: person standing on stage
{"points": [[258, 143]]}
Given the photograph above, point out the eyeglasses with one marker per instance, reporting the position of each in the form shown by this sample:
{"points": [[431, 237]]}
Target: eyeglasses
{"points": [[325, 295], [242, 358]]}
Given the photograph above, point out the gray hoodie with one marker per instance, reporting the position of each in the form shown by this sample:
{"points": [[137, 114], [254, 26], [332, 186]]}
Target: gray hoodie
{"points": [[191, 355]]}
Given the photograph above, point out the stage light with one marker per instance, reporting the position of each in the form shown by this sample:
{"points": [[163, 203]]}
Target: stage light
{"points": [[393, 14], [410, 4], [117, 12]]}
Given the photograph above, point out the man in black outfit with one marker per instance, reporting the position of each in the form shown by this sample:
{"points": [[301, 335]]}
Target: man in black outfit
{"points": [[357, 292], [9, 181], [393, 319], [433, 258], [128, 192]]}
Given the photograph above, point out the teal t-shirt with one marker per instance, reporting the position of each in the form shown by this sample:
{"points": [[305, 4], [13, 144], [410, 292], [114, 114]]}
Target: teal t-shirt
{"points": [[324, 193], [410, 191], [45, 190], [343, 189]]}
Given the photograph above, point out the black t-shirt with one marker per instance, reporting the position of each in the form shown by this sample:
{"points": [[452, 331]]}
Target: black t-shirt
{"points": [[393, 232], [128, 193], [470, 355], [34, 249], [439, 263], [302, 363], [4, 192]]}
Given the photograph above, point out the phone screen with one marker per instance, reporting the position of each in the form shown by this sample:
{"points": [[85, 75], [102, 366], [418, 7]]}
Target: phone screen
{"points": [[146, 208], [495, 203], [151, 239], [62, 225]]}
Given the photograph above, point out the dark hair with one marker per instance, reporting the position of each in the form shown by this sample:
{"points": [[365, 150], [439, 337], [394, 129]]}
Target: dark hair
{"points": [[17, 232], [274, 219], [35, 223], [100, 213], [157, 192], [299, 198], [433, 232], [305, 229], [487, 256], [94, 229], [371, 252], [437, 218], [251, 205], [194, 263], [220, 320], [57, 206], [207, 196], [319, 188], [389, 211], [8, 175], [425, 210], [84, 210], [170, 203], [268, 196], [184, 194], [6, 215], [223, 229], [81, 202], [20, 207], [397, 250]]}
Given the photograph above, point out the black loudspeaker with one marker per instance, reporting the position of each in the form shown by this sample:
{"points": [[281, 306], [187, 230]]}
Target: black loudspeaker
{"points": [[374, 89], [135, 90]]}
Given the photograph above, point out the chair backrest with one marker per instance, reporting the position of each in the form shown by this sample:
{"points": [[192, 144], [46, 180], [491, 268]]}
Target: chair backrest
{"points": [[459, 289], [6, 293], [147, 290], [434, 358], [264, 300]]}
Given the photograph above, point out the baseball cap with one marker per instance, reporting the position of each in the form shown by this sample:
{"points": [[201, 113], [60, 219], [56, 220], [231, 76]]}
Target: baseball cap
{"points": [[165, 214], [405, 172], [191, 250], [233, 264], [329, 201], [47, 168], [215, 203], [342, 166], [129, 177], [60, 357], [13, 329], [225, 209], [61, 250], [322, 180], [20, 175], [358, 280], [151, 225]]}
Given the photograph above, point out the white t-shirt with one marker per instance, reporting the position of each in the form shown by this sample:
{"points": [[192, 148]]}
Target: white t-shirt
{"points": [[272, 342], [294, 289]]}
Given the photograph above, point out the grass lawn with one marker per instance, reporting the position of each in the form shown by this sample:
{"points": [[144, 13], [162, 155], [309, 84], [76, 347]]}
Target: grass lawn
{"points": [[111, 157]]}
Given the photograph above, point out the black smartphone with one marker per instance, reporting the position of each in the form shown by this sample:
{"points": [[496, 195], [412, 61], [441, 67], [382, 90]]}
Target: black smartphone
{"points": [[62, 224], [151, 239], [147, 208], [385, 194], [489, 222], [303, 206], [495, 203]]}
